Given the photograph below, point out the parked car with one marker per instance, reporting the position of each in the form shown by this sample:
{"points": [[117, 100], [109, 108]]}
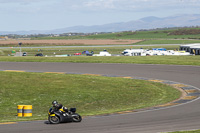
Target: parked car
{"points": [[40, 54], [77, 53], [88, 53], [102, 53], [24, 54]]}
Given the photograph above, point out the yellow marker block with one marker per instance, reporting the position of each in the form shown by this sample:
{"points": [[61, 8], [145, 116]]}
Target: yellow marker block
{"points": [[168, 104], [128, 111], [8, 123], [179, 85], [55, 72], [156, 80], [124, 112], [127, 77], [190, 91], [189, 97], [13, 71], [92, 74], [120, 112]]}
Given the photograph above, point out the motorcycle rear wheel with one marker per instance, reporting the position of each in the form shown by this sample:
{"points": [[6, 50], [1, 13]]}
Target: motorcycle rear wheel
{"points": [[77, 118], [54, 119]]}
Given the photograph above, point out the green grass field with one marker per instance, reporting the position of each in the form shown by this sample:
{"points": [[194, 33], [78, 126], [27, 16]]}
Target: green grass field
{"points": [[155, 34], [167, 36], [91, 95], [164, 41], [169, 60]]}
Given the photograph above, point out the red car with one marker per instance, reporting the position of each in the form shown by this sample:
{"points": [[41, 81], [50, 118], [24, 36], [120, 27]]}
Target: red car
{"points": [[77, 54]]}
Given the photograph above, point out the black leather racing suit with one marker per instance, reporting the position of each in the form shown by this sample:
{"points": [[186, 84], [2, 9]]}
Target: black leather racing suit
{"points": [[59, 106]]}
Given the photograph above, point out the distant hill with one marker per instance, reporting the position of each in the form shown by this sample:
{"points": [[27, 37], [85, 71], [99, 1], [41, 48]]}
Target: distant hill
{"points": [[150, 22]]}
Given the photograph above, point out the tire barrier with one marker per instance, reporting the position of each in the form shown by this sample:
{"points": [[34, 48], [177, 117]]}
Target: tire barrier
{"points": [[24, 110], [20, 110]]}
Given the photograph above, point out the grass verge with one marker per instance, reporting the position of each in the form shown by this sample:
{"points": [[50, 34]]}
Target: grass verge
{"points": [[194, 131], [91, 95], [167, 41], [169, 60]]}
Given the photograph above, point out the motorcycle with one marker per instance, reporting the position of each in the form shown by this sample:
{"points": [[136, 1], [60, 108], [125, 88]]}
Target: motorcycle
{"points": [[60, 116]]}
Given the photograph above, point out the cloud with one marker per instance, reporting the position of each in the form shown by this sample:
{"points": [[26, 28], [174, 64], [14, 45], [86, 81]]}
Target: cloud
{"points": [[104, 4], [21, 1], [107, 5], [126, 5], [134, 5], [94, 6], [24, 6]]}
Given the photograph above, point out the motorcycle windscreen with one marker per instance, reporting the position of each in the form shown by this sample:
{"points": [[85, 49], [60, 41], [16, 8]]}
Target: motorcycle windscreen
{"points": [[73, 110]]}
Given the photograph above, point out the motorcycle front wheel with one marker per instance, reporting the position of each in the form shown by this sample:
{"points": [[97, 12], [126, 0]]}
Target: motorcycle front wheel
{"points": [[77, 118], [54, 119]]}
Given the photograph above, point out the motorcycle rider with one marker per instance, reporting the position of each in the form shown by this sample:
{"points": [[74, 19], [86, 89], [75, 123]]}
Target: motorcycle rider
{"points": [[57, 106]]}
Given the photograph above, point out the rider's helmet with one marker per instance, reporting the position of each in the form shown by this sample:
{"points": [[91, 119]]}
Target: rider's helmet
{"points": [[54, 103]]}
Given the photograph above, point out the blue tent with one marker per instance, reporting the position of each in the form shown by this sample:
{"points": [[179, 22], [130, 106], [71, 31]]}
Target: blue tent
{"points": [[160, 49], [85, 52]]}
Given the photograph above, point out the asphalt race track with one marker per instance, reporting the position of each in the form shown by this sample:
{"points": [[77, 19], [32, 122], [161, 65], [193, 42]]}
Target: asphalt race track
{"points": [[173, 118]]}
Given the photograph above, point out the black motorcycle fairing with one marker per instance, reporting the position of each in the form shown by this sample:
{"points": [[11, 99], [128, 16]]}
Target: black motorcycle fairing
{"points": [[64, 117], [68, 116], [59, 114], [73, 110]]}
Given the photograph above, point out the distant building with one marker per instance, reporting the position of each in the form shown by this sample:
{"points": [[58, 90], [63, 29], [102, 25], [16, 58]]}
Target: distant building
{"points": [[3, 38]]}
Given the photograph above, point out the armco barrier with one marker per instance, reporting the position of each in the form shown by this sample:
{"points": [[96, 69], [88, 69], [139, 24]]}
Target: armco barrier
{"points": [[24, 110]]}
